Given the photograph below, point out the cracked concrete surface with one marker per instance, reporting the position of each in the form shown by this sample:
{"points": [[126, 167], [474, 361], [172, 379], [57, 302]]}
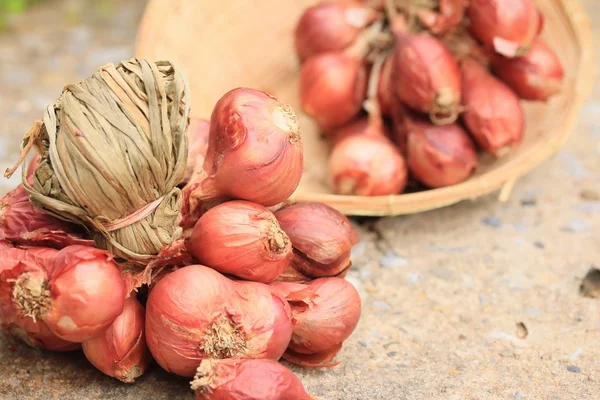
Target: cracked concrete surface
{"points": [[444, 292]]}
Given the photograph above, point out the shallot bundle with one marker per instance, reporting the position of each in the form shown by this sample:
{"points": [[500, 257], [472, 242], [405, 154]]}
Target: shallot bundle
{"points": [[113, 166], [416, 58]]}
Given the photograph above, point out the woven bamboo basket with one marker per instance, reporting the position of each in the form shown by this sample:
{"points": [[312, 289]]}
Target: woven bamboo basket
{"points": [[231, 43]]}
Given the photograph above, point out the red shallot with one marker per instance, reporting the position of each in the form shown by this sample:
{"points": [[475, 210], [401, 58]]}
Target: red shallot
{"points": [[246, 379], [439, 155], [507, 26], [365, 162], [538, 75], [77, 291], [195, 313], [242, 239], [426, 77], [121, 351], [322, 238], [326, 312], [493, 113], [254, 151], [331, 26], [332, 88]]}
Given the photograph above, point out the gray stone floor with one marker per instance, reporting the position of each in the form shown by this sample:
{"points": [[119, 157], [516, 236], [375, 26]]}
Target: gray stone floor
{"points": [[443, 291]]}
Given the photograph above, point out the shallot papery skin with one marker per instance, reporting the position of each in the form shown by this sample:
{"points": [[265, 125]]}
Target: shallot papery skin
{"points": [[439, 155], [332, 26], [326, 312], [198, 133], [246, 379], [195, 313], [254, 150], [25, 224], [77, 291], [366, 164], [332, 88], [493, 115], [426, 76], [322, 238], [241, 238], [538, 75], [507, 26], [121, 351]]}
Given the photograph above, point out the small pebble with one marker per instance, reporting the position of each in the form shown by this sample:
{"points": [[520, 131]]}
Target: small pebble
{"points": [[363, 343], [590, 285], [531, 202], [522, 331], [539, 245], [572, 368], [392, 260], [392, 354], [589, 195], [493, 221]]}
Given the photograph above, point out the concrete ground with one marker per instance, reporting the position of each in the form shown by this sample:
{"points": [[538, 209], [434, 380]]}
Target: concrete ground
{"points": [[476, 301]]}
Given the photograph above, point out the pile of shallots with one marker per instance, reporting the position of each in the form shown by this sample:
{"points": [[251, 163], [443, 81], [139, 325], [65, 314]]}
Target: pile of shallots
{"points": [[438, 81], [256, 279]]}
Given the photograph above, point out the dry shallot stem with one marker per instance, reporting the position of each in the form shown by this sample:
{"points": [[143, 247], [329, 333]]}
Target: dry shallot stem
{"points": [[372, 105]]}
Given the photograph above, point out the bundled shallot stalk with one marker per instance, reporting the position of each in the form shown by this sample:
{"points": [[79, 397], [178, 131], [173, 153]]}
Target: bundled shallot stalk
{"points": [[113, 150], [493, 113], [254, 151], [331, 26], [538, 75], [23, 223], [507, 26], [246, 379], [322, 239], [195, 313], [77, 291], [198, 133], [242, 239], [326, 312], [121, 351], [437, 155]]}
